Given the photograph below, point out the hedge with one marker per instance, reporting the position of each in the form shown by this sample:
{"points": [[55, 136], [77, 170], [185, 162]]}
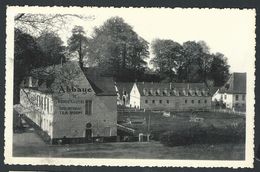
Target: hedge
{"points": [[233, 133]]}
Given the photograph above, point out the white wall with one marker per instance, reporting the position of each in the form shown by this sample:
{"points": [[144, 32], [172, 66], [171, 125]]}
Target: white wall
{"points": [[135, 97], [175, 102], [40, 116]]}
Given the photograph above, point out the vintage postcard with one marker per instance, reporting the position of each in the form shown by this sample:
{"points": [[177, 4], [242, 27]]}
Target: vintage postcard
{"points": [[164, 87]]}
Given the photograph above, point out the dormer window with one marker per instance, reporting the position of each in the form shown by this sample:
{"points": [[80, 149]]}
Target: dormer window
{"points": [[227, 86], [151, 92], [203, 92], [176, 93], [165, 92], [144, 91], [185, 93], [157, 92], [191, 92], [198, 93]]}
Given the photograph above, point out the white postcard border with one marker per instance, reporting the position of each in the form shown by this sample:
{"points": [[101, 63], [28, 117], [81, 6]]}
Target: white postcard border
{"points": [[9, 159]]}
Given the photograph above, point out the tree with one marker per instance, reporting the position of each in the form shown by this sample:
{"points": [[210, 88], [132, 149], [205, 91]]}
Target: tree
{"points": [[190, 62], [37, 23], [27, 56], [117, 50], [219, 71], [52, 47], [167, 58], [78, 43]]}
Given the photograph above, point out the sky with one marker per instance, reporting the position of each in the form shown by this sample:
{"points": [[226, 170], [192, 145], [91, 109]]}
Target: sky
{"points": [[230, 32]]}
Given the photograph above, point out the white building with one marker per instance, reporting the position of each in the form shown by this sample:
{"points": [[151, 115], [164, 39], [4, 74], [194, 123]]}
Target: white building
{"points": [[233, 93], [170, 96], [123, 92], [69, 104]]}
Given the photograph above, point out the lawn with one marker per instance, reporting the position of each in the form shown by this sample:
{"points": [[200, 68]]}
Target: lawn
{"points": [[29, 145], [179, 120]]}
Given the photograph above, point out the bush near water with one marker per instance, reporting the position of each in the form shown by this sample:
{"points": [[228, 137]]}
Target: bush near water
{"points": [[201, 134]]}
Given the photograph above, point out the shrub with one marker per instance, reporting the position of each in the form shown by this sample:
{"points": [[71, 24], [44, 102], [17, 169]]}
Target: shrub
{"points": [[199, 134]]}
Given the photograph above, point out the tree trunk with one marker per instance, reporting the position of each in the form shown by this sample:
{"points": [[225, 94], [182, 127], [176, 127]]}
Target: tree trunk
{"points": [[80, 55]]}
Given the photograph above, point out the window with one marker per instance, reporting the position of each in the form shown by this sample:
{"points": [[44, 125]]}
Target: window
{"points": [[146, 101], [38, 100], [160, 101], [153, 101], [225, 97], [243, 97], [192, 101], [236, 97], [186, 101], [44, 103], [48, 105], [41, 102], [88, 107], [198, 101], [205, 101], [167, 101]]}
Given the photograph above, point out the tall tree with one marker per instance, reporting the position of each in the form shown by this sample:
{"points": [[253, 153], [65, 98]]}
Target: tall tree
{"points": [[219, 71], [167, 58], [78, 43], [35, 24], [52, 47], [27, 56], [117, 50], [190, 62]]}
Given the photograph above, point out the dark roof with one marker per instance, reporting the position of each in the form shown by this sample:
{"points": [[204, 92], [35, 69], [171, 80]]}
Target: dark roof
{"points": [[102, 86], [235, 85], [213, 90], [124, 86], [178, 89]]}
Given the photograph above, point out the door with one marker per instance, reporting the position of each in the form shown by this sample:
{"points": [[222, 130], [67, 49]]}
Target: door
{"points": [[88, 135], [88, 132]]}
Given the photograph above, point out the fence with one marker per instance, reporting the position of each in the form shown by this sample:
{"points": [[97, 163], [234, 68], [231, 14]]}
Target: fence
{"points": [[229, 111]]}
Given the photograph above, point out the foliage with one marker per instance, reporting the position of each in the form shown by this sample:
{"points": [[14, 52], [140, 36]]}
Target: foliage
{"points": [[190, 62], [117, 50], [27, 55], [78, 43], [219, 71], [35, 24], [52, 47], [167, 57], [202, 134]]}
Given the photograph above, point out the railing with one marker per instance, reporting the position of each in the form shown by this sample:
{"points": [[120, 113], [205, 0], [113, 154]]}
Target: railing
{"points": [[127, 129], [229, 111]]}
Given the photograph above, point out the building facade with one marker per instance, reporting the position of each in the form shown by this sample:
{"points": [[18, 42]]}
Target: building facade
{"points": [[233, 93], [67, 103], [123, 90], [170, 96]]}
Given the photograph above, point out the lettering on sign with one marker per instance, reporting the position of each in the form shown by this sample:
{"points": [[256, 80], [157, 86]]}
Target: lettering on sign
{"points": [[70, 106], [73, 89]]}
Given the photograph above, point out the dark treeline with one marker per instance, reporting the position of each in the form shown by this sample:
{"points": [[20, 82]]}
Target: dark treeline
{"points": [[115, 49]]}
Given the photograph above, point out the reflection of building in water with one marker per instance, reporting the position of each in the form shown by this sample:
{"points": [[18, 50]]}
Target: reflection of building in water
{"points": [[170, 96], [233, 93], [68, 103]]}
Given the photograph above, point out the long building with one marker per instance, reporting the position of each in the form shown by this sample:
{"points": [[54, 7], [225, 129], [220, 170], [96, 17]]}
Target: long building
{"points": [[170, 96], [69, 104]]}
